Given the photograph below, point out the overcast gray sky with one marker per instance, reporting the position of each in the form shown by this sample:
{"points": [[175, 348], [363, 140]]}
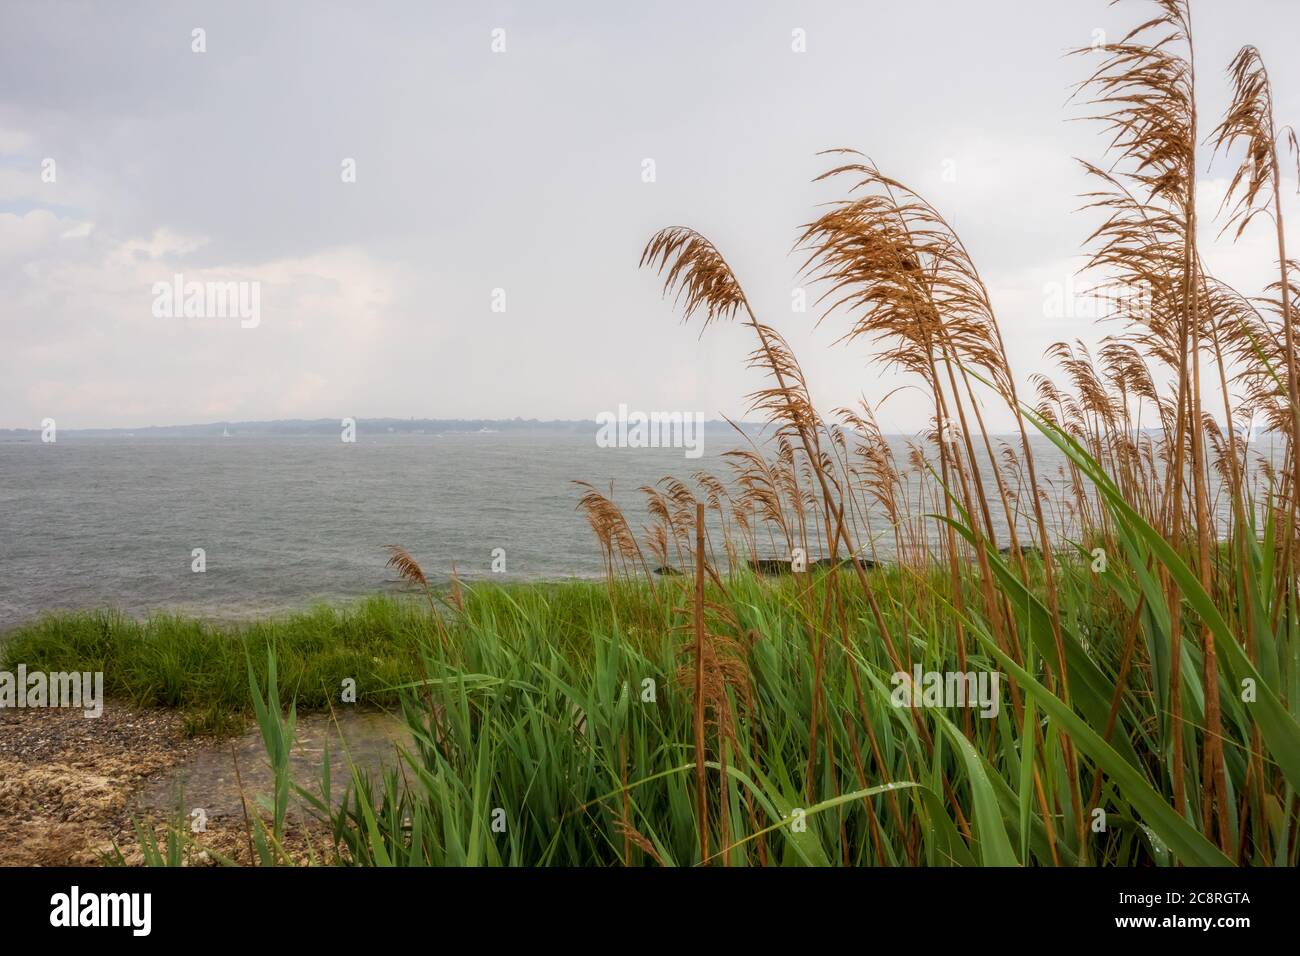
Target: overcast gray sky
{"points": [[519, 170]]}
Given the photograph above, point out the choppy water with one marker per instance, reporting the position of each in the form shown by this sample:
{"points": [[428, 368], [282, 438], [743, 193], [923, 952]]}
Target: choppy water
{"points": [[285, 521]]}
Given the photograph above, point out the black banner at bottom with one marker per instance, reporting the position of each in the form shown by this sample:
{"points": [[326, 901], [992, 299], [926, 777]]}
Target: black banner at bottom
{"points": [[232, 907]]}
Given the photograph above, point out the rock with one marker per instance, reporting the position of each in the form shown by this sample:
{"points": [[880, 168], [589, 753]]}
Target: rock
{"points": [[1025, 549], [783, 565], [847, 563]]}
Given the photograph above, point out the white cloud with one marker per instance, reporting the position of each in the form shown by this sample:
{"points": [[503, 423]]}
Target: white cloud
{"points": [[83, 346]]}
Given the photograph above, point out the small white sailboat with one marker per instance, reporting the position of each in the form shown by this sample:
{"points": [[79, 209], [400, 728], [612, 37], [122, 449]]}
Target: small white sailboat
{"points": [[225, 432]]}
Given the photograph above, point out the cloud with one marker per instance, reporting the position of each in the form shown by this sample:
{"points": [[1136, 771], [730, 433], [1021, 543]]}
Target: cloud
{"points": [[478, 171], [84, 347]]}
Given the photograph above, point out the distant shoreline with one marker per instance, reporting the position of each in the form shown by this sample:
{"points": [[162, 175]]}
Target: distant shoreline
{"points": [[330, 426], [296, 427]]}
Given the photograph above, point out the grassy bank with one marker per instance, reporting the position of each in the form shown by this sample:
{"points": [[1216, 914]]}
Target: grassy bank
{"points": [[565, 715], [199, 667]]}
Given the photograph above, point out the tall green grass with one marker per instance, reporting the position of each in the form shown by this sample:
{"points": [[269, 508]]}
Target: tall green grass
{"points": [[554, 729]]}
